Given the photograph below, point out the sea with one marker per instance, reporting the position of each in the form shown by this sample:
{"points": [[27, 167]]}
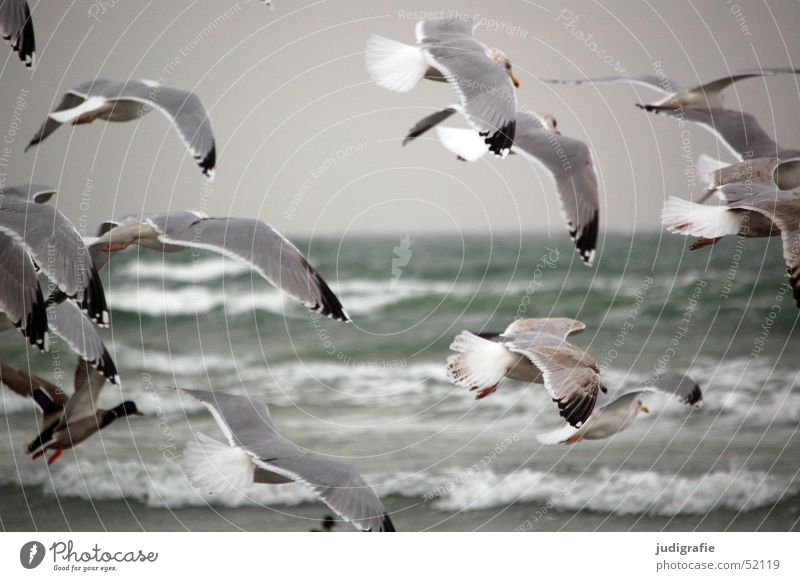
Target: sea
{"points": [[374, 393]]}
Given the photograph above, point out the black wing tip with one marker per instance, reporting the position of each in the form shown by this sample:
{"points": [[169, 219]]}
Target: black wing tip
{"points": [[794, 280], [500, 141], [586, 239], [94, 299], [578, 409], [387, 526], [696, 395], [328, 303], [35, 329], [209, 163]]}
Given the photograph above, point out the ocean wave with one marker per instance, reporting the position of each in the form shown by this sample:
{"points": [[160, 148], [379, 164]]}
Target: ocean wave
{"points": [[622, 492], [188, 270], [604, 491]]}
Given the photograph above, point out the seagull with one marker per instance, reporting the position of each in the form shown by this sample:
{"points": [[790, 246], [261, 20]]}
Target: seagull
{"points": [[447, 51], [16, 26], [257, 453], [713, 173], [246, 240], [533, 351], [568, 160], [705, 96], [22, 304], [55, 246], [751, 210], [66, 421], [613, 415], [128, 101]]}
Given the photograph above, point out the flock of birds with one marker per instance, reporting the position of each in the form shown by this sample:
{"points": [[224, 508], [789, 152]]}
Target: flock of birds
{"points": [[36, 239]]}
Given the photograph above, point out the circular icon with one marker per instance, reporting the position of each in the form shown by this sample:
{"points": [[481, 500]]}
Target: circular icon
{"points": [[31, 554]]}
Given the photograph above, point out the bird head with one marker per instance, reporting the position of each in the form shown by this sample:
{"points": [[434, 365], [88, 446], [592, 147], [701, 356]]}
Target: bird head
{"points": [[501, 60], [126, 408]]}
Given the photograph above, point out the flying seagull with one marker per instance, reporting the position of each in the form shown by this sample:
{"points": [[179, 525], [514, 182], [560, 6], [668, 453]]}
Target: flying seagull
{"points": [[257, 453], [749, 209], [613, 415], [705, 96], [246, 240], [568, 160], [533, 351], [55, 246], [713, 173], [128, 101], [447, 51], [16, 26], [66, 421]]}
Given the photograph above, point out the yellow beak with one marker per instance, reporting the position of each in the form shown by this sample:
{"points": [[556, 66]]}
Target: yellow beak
{"points": [[514, 79], [138, 413], [645, 409]]}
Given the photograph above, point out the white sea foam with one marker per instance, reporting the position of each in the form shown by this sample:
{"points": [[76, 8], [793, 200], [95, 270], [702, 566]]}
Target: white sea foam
{"points": [[604, 491], [188, 270]]}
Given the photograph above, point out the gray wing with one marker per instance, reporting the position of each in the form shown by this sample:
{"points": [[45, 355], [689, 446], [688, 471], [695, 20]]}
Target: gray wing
{"points": [[183, 108], [661, 84], [720, 84], [432, 120], [783, 208], [69, 101], [485, 90], [35, 193], [570, 162], [16, 26], [558, 326], [20, 295], [68, 322], [88, 385], [570, 375], [265, 250], [738, 130], [247, 424], [679, 385], [59, 251]]}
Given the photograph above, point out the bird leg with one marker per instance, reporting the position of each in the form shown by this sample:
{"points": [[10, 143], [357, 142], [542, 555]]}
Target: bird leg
{"points": [[56, 456], [83, 120], [574, 439], [116, 246], [704, 242], [486, 392]]}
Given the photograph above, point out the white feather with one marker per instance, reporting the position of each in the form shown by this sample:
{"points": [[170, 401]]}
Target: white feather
{"points": [[465, 143], [91, 105], [557, 436], [691, 219], [216, 467], [481, 363], [705, 166], [394, 65]]}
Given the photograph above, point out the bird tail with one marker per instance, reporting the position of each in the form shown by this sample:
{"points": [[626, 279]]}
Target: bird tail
{"points": [[216, 467], [465, 143], [705, 167], [479, 364], [691, 219], [563, 435], [394, 65]]}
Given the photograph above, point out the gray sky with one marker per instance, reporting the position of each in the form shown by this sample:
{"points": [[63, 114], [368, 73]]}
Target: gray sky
{"points": [[306, 142]]}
